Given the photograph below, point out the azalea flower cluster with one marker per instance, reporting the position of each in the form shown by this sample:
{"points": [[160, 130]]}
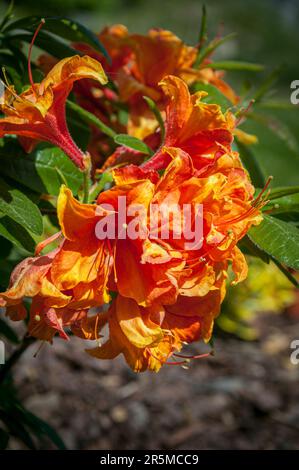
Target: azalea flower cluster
{"points": [[154, 295]]}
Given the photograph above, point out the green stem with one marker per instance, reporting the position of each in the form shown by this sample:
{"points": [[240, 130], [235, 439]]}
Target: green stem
{"points": [[98, 187], [86, 181]]}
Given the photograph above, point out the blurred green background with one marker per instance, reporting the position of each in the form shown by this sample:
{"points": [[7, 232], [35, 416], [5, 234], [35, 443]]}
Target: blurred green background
{"points": [[267, 33], [267, 29]]}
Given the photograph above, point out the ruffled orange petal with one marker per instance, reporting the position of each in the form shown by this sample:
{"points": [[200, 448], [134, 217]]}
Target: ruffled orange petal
{"points": [[76, 220], [239, 266], [70, 69], [136, 324]]}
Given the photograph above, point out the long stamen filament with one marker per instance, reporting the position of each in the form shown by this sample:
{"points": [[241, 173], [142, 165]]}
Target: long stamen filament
{"points": [[30, 52]]}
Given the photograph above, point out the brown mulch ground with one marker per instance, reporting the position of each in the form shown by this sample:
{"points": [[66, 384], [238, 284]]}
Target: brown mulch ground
{"points": [[245, 397]]}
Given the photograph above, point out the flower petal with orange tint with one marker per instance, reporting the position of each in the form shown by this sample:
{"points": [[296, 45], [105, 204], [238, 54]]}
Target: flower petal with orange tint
{"points": [[75, 219]]}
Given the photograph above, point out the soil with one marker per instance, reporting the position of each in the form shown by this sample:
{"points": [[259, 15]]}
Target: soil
{"points": [[245, 397]]}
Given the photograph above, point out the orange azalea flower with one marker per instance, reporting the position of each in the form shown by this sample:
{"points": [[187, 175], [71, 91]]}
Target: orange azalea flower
{"points": [[38, 114], [148, 333], [31, 279], [138, 64], [198, 128], [51, 309], [148, 337], [154, 56], [157, 54], [167, 294]]}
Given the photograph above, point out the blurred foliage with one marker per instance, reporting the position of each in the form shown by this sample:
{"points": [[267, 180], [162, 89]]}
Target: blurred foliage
{"points": [[56, 7], [266, 290], [21, 424], [266, 30]]}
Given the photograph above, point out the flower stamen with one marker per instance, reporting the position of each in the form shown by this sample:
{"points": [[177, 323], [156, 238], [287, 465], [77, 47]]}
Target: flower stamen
{"points": [[29, 55]]}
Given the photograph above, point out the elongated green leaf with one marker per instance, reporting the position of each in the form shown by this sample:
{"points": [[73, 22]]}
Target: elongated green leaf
{"points": [[19, 207], [153, 107], [90, 118], [283, 191], [16, 234], [8, 60], [64, 27], [276, 105], [275, 152], [286, 208], [38, 427], [250, 248], [207, 51], [38, 170], [251, 164], [287, 274], [45, 41], [8, 332], [133, 143], [203, 26], [279, 239], [278, 127], [16, 427], [236, 66], [267, 84], [7, 15]]}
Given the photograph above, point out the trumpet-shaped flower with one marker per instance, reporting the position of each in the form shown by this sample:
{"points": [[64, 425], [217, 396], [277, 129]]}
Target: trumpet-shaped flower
{"points": [[38, 114], [198, 128]]}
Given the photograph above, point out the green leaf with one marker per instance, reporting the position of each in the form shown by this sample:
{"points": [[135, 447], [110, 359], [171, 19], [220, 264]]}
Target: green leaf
{"points": [[90, 118], [279, 239], [285, 208], [278, 127], [11, 63], [79, 129], [7, 15], [276, 105], [153, 107], [203, 26], [16, 427], [207, 51], [38, 427], [45, 41], [38, 170], [98, 187], [283, 191], [235, 65], [250, 248], [287, 274], [133, 143], [214, 95], [267, 84], [275, 152], [20, 208], [4, 438], [251, 164], [8, 332], [15, 233], [61, 26]]}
